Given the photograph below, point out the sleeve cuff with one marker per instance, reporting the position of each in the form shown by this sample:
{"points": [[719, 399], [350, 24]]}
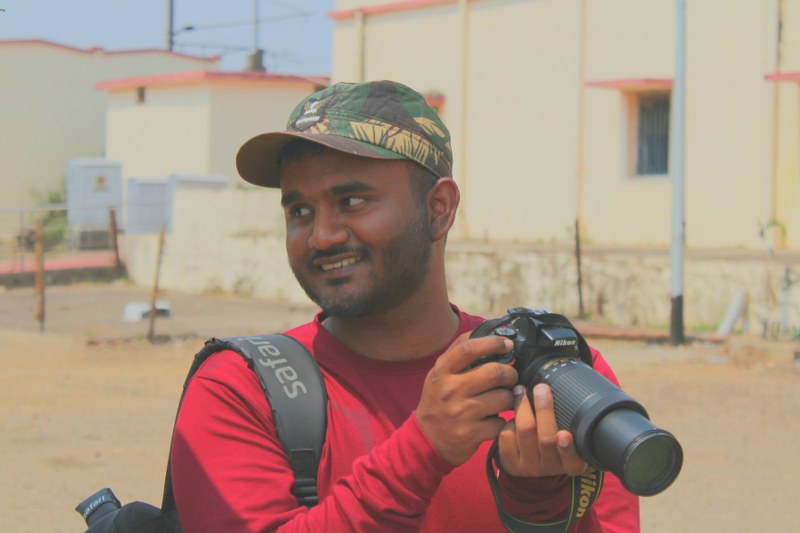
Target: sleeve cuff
{"points": [[535, 499]]}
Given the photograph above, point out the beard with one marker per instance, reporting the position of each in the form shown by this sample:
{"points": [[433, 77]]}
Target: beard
{"points": [[406, 261]]}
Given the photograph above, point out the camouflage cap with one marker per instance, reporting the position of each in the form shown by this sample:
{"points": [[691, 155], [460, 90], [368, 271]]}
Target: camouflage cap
{"points": [[380, 119]]}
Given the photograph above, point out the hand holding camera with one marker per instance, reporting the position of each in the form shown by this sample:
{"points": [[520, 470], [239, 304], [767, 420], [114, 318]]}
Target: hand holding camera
{"points": [[611, 430]]}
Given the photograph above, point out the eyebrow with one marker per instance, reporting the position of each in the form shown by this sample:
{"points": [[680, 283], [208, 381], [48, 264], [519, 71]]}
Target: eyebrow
{"points": [[289, 197], [336, 190]]}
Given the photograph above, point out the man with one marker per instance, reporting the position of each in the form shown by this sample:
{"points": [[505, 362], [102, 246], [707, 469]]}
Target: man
{"points": [[365, 177]]}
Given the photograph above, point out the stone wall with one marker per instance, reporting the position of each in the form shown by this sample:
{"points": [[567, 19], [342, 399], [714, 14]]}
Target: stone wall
{"points": [[626, 286], [216, 247]]}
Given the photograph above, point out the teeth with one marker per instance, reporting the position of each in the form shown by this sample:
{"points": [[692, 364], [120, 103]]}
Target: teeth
{"points": [[340, 264]]}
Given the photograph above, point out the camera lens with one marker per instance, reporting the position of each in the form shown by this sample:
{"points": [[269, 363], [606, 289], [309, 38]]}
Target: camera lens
{"points": [[652, 463], [611, 429], [646, 459]]}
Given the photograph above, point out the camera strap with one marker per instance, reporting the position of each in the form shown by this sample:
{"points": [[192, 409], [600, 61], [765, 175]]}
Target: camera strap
{"points": [[584, 490], [585, 487]]}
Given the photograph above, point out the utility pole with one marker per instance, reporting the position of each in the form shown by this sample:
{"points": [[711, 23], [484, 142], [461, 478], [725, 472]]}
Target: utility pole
{"points": [[255, 61], [777, 240], [579, 169], [256, 16], [676, 168], [170, 25]]}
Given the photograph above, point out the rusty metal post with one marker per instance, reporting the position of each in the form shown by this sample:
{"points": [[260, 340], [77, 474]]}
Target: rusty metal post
{"points": [[581, 309], [153, 310], [22, 242], [112, 231], [39, 273]]}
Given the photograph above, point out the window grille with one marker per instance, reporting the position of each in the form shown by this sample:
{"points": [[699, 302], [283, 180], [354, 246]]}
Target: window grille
{"points": [[652, 139]]}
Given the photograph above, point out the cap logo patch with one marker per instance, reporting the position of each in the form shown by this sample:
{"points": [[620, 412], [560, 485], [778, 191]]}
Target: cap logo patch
{"points": [[312, 113]]}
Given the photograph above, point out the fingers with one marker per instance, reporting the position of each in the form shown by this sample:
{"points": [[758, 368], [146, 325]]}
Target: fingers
{"points": [[532, 445], [517, 436], [555, 446], [457, 409], [490, 376], [525, 422], [494, 401], [546, 426], [572, 462], [465, 351]]}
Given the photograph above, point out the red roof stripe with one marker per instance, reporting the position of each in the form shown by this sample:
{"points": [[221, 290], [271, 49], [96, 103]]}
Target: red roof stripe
{"points": [[95, 49], [783, 76], [388, 8], [633, 84], [177, 78]]}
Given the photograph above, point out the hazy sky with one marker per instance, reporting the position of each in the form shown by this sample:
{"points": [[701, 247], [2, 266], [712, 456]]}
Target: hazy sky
{"points": [[295, 34]]}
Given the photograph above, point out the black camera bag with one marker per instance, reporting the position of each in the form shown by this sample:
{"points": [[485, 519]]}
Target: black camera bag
{"points": [[300, 420]]}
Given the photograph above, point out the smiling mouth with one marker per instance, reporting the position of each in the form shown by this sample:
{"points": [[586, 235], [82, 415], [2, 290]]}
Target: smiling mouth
{"points": [[340, 264]]}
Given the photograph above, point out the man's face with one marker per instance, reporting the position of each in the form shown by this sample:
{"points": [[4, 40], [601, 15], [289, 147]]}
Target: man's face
{"points": [[357, 241]]}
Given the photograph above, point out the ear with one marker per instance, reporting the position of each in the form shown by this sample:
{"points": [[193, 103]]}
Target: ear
{"points": [[443, 199]]}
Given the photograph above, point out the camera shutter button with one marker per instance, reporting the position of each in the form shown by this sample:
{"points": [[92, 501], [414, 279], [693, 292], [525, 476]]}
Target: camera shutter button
{"points": [[509, 333]]}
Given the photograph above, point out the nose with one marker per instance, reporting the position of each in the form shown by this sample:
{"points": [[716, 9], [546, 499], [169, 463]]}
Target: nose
{"points": [[328, 231]]}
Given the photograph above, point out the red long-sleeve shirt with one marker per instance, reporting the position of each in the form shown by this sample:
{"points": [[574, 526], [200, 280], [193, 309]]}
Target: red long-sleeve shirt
{"points": [[378, 471]]}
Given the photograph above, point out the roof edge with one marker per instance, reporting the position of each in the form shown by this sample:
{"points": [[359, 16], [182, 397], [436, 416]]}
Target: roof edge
{"points": [[633, 84], [406, 5], [783, 76], [96, 49], [194, 76]]}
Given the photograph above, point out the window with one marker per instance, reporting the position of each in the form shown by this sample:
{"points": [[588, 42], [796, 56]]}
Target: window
{"points": [[648, 133]]}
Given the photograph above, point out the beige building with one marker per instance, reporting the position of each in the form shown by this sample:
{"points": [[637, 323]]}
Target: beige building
{"points": [[560, 111], [192, 123], [50, 111]]}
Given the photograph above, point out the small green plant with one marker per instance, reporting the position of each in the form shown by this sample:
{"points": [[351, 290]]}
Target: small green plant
{"points": [[54, 222]]}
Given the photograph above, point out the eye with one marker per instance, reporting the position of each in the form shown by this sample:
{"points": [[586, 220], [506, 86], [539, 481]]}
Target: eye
{"points": [[297, 211], [352, 201]]}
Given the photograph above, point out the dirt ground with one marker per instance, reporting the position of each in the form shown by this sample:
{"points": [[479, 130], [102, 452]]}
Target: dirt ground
{"points": [[89, 403]]}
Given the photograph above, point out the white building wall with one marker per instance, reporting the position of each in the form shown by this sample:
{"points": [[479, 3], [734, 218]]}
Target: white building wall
{"points": [[729, 121], [229, 241], [50, 111], [239, 111], [517, 135], [522, 96], [195, 126], [787, 135], [166, 134]]}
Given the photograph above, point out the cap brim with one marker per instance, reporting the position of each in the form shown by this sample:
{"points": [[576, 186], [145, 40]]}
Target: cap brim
{"points": [[257, 159]]}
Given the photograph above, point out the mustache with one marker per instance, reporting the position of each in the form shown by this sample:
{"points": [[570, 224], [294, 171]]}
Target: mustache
{"points": [[336, 250]]}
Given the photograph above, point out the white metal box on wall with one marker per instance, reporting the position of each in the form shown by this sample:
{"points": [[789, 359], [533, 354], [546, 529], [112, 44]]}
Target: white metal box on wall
{"points": [[186, 181], [93, 187], [149, 201], [147, 205]]}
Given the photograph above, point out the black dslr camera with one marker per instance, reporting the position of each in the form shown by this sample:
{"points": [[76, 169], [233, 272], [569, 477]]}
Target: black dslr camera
{"points": [[611, 430]]}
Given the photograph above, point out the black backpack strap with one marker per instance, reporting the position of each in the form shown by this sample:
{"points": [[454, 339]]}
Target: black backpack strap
{"points": [[293, 384], [292, 381]]}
